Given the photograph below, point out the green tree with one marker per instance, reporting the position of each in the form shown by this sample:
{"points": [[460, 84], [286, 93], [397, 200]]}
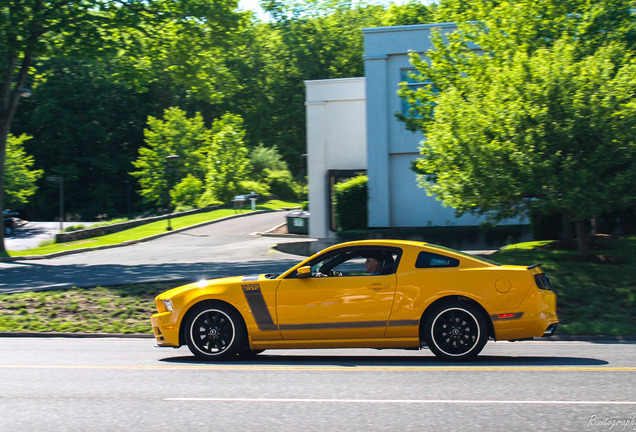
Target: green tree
{"points": [[87, 128], [176, 134], [19, 176], [32, 29], [523, 125], [227, 162], [307, 40], [186, 194], [262, 158]]}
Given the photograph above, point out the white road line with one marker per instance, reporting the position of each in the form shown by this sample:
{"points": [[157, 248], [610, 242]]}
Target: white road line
{"points": [[405, 401]]}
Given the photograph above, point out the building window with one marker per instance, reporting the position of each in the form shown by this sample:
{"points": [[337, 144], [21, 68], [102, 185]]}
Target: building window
{"points": [[408, 76]]}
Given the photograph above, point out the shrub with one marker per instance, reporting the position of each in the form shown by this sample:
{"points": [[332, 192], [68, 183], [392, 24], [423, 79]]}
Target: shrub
{"points": [[248, 186], [350, 202], [74, 228], [187, 192], [207, 199], [281, 184]]}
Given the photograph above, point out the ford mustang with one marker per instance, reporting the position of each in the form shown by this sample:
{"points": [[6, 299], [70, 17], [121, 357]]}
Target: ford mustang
{"points": [[362, 294]]}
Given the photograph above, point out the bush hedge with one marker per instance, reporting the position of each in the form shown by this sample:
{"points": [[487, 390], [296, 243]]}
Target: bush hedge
{"points": [[350, 203]]}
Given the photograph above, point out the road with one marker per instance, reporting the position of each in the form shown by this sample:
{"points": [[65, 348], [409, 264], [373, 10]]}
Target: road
{"points": [[127, 384], [227, 248]]}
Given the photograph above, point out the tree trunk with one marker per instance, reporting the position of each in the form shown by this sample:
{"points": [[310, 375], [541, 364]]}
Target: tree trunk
{"points": [[582, 238], [567, 227]]}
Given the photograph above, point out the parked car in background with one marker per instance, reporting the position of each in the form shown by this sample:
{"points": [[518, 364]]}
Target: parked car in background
{"points": [[8, 216], [363, 294]]}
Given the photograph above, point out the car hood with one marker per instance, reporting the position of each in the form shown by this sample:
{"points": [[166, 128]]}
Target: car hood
{"points": [[206, 284]]}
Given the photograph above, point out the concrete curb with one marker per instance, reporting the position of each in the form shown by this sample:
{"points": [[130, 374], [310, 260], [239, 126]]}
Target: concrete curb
{"points": [[130, 242], [74, 335]]}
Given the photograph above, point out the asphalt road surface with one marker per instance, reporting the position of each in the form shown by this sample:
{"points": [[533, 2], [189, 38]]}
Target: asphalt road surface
{"points": [[227, 248], [129, 385]]}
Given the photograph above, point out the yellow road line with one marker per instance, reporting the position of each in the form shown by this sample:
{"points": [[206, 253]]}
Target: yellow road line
{"points": [[352, 368]]}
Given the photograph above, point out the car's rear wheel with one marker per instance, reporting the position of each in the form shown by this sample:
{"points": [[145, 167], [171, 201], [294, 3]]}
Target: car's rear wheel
{"points": [[214, 332], [456, 331]]}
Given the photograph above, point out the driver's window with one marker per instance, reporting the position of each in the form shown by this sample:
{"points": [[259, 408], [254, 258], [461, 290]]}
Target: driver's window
{"points": [[355, 263], [341, 264]]}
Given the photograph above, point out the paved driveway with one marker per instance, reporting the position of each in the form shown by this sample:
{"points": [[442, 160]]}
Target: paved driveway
{"points": [[227, 248], [29, 235]]}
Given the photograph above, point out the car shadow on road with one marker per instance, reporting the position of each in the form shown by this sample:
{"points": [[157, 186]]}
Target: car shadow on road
{"points": [[424, 359]]}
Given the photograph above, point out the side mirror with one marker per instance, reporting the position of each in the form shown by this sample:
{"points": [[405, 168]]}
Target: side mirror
{"points": [[303, 272]]}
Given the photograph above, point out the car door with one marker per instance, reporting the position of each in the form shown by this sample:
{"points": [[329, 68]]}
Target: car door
{"points": [[344, 305]]}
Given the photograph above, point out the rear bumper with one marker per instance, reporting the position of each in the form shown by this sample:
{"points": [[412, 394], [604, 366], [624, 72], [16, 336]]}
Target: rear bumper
{"points": [[537, 318]]}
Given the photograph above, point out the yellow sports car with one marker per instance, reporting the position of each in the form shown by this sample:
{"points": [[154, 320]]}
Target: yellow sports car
{"points": [[362, 294]]}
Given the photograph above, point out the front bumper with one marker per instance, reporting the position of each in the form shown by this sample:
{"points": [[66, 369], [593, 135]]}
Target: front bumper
{"points": [[166, 329]]}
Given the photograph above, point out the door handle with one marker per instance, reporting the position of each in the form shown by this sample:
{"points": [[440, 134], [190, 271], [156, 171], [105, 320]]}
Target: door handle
{"points": [[376, 286]]}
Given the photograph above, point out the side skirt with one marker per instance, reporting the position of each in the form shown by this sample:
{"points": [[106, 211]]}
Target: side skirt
{"points": [[337, 343]]}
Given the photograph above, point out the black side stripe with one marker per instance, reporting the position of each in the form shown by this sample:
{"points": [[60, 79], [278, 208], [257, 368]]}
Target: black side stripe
{"points": [[342, 325], [257, 304], [349, 325], [403, 323]]}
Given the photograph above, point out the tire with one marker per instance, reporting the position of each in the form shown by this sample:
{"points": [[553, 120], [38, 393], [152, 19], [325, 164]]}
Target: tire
{"points": [[456, 331], [214, 332]]}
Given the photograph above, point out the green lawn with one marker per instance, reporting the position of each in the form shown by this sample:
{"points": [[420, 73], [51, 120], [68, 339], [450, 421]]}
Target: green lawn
{"points": [[595, 298], [148, 230], [123, 309]]}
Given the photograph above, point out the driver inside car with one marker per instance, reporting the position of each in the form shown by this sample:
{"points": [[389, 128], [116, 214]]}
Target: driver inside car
{"points": [[373, 264]]}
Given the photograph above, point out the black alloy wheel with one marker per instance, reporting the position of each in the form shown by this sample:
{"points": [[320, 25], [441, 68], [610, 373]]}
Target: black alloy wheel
{"points": [[456, 331], [214, 332]]}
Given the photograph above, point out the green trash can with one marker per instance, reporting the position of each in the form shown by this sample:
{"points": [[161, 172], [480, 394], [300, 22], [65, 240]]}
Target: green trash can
{"points": [[298, 222]]}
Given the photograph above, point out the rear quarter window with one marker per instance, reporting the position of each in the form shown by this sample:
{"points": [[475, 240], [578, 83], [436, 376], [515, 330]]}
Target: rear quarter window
{"points": [[433, 260]]}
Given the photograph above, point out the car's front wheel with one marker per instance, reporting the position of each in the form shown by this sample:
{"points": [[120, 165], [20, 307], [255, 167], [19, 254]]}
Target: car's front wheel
{"points": [[456, 331], [214, 332]]}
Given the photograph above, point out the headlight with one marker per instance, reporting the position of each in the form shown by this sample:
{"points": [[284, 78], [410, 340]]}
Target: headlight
{"points": [[168, 305]]}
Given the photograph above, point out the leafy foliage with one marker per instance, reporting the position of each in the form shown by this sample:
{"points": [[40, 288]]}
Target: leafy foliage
{"points": [[99, 69], [350, 203], [33, 29], [176, 134], [262, 158], [538, 120], [187, 192], [227, 161], [19, 177]]}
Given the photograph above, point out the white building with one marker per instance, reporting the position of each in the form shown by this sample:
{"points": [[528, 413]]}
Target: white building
{"points": [[351, 127]]}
